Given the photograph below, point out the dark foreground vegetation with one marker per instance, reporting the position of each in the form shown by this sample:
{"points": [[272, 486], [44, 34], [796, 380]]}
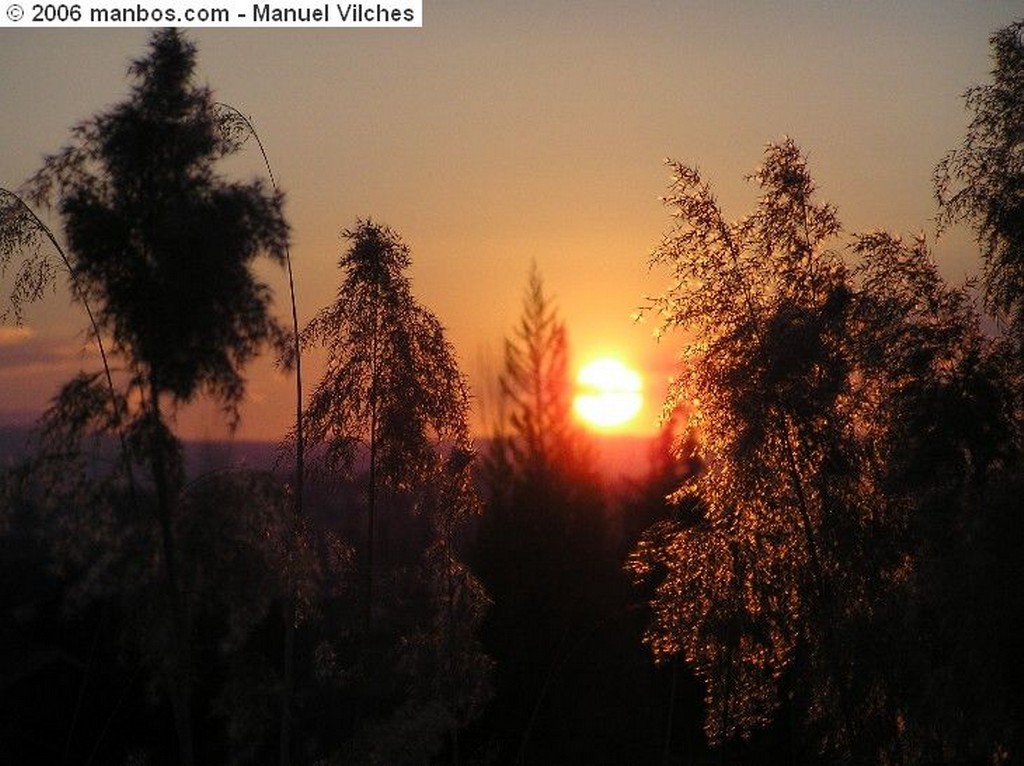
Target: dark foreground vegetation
{"points": [[821, 566]]}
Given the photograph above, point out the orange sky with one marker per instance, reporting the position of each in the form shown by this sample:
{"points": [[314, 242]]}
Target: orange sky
{"points": [[504, 132]]}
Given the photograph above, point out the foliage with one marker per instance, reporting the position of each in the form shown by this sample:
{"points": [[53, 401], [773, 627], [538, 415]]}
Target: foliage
{"points": [[23, 236], [239, 559], [749, 294], [391, 378], [982, 181], [812, 385], [160, 243], [537, 436], [246, 556], [160, 250], [392, 394]]}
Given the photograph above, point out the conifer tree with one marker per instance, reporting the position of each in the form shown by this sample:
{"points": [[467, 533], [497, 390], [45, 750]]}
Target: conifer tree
{"points": [[541, 439], [543, 547]]}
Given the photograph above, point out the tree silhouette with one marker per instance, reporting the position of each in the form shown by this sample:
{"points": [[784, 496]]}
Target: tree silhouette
{"points": [[537, 437], [981, 182], [164, 248], [538, 465], [392, 395], [543, 549], [807, 379], [392, 383], [236, 124]]}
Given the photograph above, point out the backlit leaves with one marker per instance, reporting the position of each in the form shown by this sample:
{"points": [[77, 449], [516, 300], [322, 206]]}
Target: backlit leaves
{"points": [[390, 374], [805, 379], [981, 182]]}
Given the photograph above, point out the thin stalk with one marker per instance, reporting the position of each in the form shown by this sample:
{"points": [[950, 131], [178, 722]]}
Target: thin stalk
{"points": [[114, 403], [181, 686], [289, 608], [371, 493], [95, 331]]}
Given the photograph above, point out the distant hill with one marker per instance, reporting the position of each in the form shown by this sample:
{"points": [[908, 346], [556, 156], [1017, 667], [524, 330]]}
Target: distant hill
{"points": [[205, 456], [14, 442], [619, 457], [200, 456]]}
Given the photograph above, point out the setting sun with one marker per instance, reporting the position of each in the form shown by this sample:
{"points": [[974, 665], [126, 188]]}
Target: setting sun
{"points": [[608, 393]]}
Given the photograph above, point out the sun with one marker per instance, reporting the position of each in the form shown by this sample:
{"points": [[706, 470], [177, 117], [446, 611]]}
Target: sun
{"points": [[608, 394]]}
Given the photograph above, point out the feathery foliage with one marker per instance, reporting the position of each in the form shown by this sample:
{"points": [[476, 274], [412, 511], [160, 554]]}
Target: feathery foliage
{"points": [[392, 380], [981, 182], [161, 252], [158, 242], [806, 379], [393, 395]]}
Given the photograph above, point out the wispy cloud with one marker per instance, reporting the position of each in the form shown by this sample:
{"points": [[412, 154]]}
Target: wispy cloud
{"points": [[24, 352], [14, 336]]}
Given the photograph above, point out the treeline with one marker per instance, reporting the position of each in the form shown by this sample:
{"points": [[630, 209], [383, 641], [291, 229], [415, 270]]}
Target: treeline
{"points": [[821, 563]]}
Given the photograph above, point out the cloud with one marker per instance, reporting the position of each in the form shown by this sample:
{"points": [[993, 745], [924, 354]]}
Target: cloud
{"points": [[23, 351], [15, 335], [34, 364]]}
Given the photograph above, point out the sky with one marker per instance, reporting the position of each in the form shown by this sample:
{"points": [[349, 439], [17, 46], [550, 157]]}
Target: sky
{"points": [[506, 133]]}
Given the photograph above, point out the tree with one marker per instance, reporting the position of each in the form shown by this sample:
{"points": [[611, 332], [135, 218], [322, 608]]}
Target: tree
{"points": [[392, 395], [538, 465], [542, 440], [234, 123], [814, 388], [981, 182], [164, 248], [392, 383], [543, 548], [750, 294], [241, 556]]}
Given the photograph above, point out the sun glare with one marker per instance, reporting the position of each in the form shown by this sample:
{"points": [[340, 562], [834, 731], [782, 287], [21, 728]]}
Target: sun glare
{"points": [[608, 394]]}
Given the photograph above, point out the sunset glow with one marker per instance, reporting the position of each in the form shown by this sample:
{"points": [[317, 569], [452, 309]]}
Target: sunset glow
{"points": [[608, 394], [605, 382]]}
